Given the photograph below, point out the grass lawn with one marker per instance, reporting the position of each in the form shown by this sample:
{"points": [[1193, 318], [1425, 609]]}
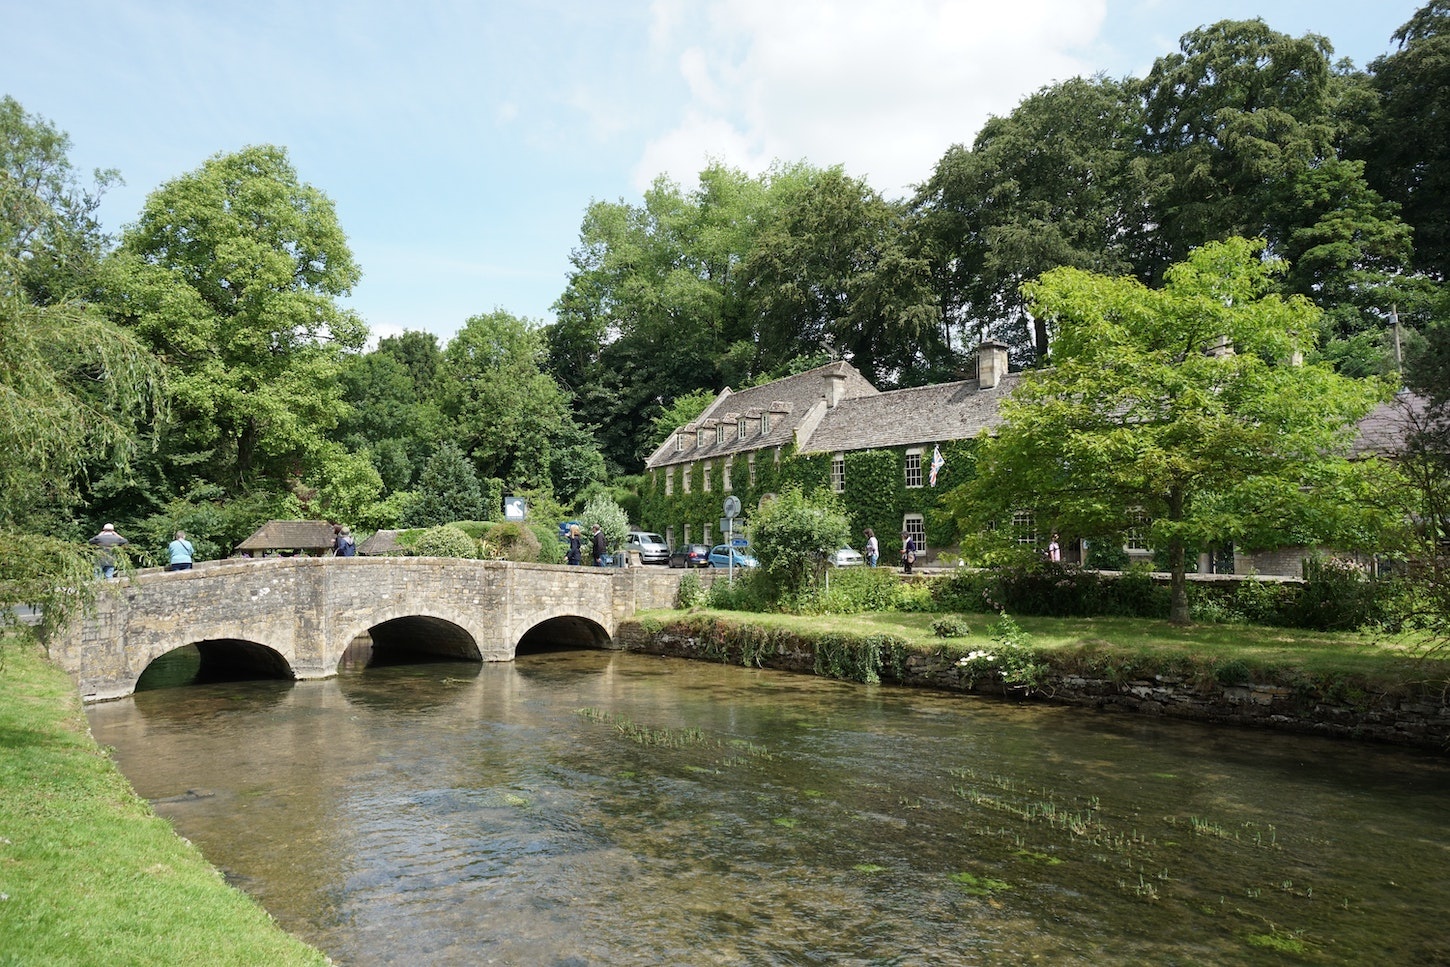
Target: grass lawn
{"points": [[88, 873], [1142, 646]]}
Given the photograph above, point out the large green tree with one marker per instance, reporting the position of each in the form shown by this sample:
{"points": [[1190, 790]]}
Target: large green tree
{"points": [[1051, 184], [232, 274], [1138, 414]]}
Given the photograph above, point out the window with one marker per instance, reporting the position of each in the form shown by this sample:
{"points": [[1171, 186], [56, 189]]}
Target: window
{"points": [[750, 468], [669, 481], [913, 468], [764, 423], [720, 433], [915, 528], [670, 535], [685, 478], [705, 538], [679, 441], [1136, 538], [1024, 527], [838, 473], [700, 438], [687, 533], [725, 475], [740, 433], [705, 478]]}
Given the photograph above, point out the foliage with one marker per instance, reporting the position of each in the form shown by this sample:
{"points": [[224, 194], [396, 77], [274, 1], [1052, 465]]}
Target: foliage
{"points": [[513, 540], [950, 626], [1010, 660], [448, 490], [793, 534], [750, 591], [611, 519], [445, 541], [1137, 415], [856, 658], [689, 593], [231, 274]]}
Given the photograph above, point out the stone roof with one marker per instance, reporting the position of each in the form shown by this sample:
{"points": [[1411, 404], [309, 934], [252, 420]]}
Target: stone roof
{"points": [[788, 401], [1384, 430], [904, 417], [290, 535], [381, 543]]}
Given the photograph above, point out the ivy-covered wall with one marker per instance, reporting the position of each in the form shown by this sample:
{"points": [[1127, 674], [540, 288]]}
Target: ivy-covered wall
{"points": [[875, 496]]}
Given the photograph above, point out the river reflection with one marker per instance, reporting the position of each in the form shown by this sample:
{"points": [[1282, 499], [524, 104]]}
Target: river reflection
{"points": [[597, 808]]}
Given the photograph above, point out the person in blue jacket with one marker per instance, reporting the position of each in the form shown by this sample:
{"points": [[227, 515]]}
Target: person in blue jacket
{"points": [[179, 553]]}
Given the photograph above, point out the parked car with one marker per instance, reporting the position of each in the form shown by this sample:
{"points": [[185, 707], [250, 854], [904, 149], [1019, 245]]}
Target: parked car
{"points": [[690, 555], [652, 548], [720, 557], [846, 557]]}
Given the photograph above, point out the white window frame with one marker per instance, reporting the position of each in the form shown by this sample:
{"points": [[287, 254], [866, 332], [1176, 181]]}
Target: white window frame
{"points": [[740, 432], [679, 441], [705, 478], [720, 433], [725, 474], [669, 481], [706, 537], [764, 423], [1135, 538], [687, 533], [1024, 527], [838, 472], [700, 437], [912, 469], [750, 467], [685, 479], [670, 535]]}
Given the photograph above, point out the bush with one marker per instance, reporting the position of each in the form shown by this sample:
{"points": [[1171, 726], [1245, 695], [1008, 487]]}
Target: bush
{"points": [[514, 541], [792, 534], [445, 541], [1337, 596], [950, 626], [750, 591], [851, 591], [689, 593]]}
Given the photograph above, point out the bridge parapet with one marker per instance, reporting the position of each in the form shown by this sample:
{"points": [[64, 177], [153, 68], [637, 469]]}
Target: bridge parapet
{"points": [[307, 611]]}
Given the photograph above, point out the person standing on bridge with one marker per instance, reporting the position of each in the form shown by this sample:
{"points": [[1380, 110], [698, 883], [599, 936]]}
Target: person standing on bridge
{"points": [[576, 545], [179, 553], [345, 546], [597, 543], [107, 540]]}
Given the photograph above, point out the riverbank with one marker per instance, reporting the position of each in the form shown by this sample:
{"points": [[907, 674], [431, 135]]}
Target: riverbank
{"points": [[88, 873], [1344, 685]]}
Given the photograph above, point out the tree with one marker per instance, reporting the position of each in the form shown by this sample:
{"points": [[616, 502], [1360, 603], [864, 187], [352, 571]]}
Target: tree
{"points": [[611, 518], [231, 275], [448, 490], [510, 416], [1139, 415], [1409, 153], [793, 534], [1051, 184]]}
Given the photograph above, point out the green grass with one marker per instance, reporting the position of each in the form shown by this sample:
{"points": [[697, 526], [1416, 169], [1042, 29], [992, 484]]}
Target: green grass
{"points": [[1131, 647], [88, 873]]}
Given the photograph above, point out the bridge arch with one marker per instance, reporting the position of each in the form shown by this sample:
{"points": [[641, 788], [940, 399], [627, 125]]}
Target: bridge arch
{"points": [[413, 637], [563, 627], [214, 660]]}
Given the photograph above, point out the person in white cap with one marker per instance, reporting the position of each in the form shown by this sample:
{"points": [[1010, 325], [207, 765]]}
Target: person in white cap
{"points": [[106, 540]]}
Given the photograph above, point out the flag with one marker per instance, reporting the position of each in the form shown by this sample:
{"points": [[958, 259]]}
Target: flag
{"points": [[937, 462]]}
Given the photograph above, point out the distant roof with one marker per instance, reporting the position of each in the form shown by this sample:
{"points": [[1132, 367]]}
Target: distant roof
{"points": [[793, 395], [1385, 429], [290, 535], [920, 414], [380, 544]]}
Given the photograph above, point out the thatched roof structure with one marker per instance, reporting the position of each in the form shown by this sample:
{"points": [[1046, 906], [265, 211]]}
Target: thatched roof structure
{"points": [[304, 536]]}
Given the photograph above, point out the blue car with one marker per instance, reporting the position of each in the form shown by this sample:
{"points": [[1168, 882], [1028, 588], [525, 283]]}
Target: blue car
{"points": [[720, 557]]}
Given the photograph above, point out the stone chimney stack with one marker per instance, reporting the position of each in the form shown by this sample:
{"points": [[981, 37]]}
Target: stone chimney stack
{"points": [[991, 363], [835, 387]]}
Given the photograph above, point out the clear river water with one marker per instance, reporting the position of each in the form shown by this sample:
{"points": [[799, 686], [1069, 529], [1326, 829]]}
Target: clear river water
{"points": [[600, 808]]}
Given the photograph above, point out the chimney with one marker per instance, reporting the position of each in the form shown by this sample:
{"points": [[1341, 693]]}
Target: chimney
{"points": [[835, 387], [991, 363]]}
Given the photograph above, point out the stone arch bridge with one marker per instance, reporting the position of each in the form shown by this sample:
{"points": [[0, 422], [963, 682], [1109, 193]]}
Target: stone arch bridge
{"points": [[295, 617]]}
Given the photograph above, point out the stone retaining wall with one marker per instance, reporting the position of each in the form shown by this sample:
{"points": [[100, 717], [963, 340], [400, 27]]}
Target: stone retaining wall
{"points": [[1420, 717]]}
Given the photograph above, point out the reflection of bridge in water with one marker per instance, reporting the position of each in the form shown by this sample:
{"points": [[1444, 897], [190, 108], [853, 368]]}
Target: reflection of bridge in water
{"points": [[297, 617]]}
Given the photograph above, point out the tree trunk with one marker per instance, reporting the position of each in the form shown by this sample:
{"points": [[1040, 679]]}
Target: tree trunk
{"points": [[1178, 603]]}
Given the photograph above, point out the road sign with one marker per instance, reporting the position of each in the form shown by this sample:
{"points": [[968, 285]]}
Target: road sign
{"points": [[732, 506]]}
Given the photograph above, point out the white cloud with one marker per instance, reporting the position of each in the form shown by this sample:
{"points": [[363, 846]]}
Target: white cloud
{"points": [[883, 88]]}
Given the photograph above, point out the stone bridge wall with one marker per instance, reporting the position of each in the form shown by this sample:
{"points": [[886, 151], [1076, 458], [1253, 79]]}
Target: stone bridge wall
{"points": [[308, 610]]}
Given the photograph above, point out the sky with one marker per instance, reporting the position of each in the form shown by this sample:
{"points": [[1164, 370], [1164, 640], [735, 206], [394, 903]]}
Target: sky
{"points": [[462, 142]]}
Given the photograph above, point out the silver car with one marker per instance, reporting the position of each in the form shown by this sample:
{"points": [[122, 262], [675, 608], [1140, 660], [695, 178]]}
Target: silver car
{"points": [[651, 548], [846, 557]]}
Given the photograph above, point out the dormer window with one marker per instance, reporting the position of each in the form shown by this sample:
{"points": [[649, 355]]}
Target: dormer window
{"points": [[700, 438], [679, 441], [720, 433], [741, 431], [764, 423]]}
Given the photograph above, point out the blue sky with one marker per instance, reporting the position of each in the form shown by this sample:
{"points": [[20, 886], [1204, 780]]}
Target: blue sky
{"points": [[462, 141]]}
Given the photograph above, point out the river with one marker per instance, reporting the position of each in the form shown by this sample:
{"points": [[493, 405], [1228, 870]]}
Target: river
{"points": [[598, 808]]}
